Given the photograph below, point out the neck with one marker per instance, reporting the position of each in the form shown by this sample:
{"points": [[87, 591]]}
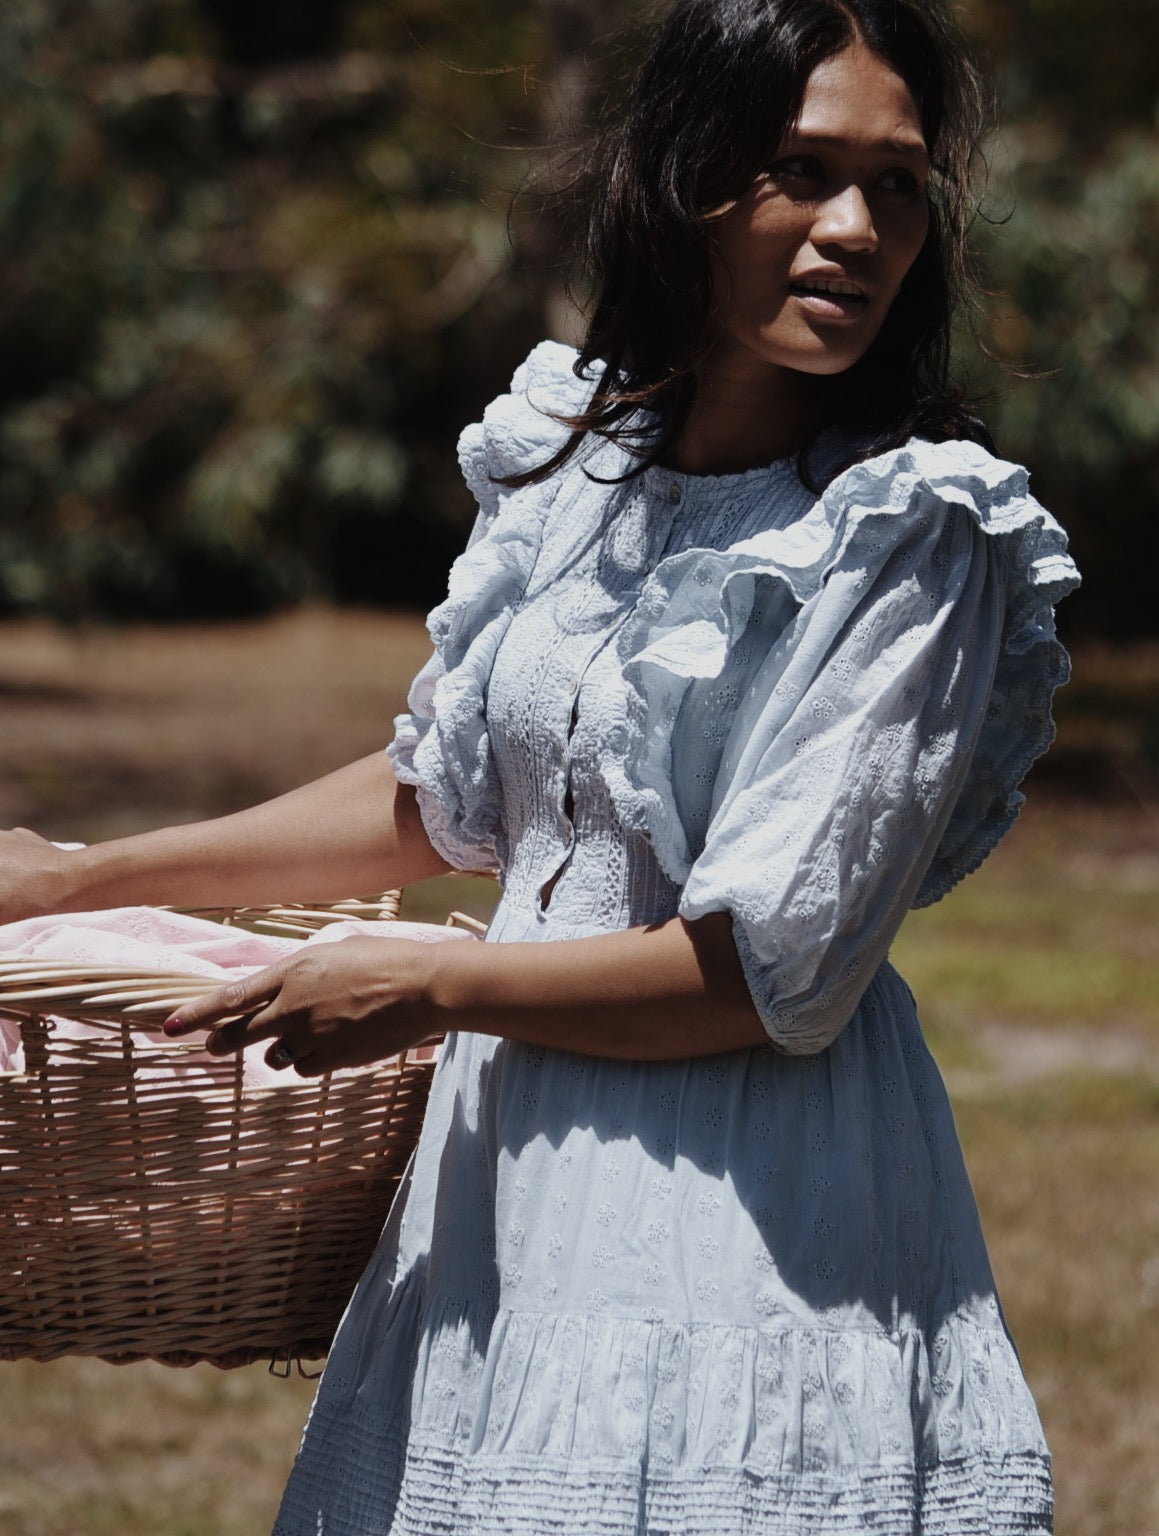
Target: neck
{"points": [[738, 422]]}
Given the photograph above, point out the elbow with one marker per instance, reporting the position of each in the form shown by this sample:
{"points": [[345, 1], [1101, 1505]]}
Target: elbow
{"points": [[809, 1030], [800, 1014], [804, 1020]]}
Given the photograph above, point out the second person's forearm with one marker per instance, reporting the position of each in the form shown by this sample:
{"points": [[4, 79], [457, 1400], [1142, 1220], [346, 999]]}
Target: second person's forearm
{"points": [[353, 832]]}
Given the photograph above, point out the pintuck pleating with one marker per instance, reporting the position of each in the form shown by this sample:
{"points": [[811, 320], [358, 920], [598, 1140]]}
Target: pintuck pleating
{"points": [[629, 1428]]}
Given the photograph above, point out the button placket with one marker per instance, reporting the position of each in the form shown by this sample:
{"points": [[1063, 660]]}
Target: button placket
{"points": [[573, 675]]}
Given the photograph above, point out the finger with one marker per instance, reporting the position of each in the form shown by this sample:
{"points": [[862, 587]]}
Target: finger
{"points": [[310, 1066], [238, 1033], [279, 1056], [240, 997]]}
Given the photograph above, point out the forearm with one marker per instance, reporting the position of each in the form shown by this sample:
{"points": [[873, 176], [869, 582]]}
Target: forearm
{"points": [[649, 994], [353, 832], [664, 993]]}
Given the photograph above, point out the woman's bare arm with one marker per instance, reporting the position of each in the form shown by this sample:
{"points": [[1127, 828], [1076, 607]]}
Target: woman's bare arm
{"points": [[355, 831], [669, 992]]}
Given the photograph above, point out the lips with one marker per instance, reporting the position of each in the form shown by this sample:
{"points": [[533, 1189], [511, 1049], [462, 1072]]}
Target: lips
{"points": [[832, 287], [830, 298]]}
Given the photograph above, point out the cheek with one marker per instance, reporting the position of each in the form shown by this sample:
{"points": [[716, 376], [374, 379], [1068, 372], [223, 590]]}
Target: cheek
{"points": [[909, 244], [754, 246]]}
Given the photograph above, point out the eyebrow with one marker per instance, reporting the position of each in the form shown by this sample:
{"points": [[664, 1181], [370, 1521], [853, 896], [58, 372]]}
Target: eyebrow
{"points": [[910, 147]]}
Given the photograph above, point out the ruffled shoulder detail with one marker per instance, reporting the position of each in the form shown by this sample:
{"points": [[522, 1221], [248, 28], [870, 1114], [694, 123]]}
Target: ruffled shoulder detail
{"points": [[441, 746], [519, 430], [516, 434], [697, 607], [996, 493], [1039, 573]]}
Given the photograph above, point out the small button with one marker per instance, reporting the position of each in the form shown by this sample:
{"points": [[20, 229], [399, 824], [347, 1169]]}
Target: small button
{"points": [[674, 494]]}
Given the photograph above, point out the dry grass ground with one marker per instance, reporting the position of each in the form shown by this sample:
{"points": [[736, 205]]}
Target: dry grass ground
{"points": [[1039, 983]]}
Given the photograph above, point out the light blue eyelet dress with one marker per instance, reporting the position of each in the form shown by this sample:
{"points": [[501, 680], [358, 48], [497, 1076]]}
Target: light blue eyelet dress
{"points": [[746, 1293]]}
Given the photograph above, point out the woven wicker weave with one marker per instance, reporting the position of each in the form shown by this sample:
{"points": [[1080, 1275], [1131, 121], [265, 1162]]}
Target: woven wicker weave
{"points": [[144, 1218]]}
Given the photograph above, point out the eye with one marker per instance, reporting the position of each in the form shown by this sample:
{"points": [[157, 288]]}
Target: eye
{"points": [[797, 173], [901, 181]]}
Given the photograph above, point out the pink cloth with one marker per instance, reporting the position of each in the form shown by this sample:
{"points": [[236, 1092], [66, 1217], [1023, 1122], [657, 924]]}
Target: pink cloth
{"points": [[146, 939]]}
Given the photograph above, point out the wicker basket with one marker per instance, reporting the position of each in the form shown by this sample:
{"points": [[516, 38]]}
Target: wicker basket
{"points": [[144, 1219]]}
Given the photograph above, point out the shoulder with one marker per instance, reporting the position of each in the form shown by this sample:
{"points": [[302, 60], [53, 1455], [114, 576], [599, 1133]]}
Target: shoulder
{"points": [[952, 473], [519, 431], [521, 428], [929, 484]]}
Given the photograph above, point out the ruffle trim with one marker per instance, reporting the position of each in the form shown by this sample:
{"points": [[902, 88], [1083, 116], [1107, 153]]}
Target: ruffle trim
{"points": [[695, 606], [518, 430], [566, 1423], [442, 747], [421, 1492], [516, 434]]}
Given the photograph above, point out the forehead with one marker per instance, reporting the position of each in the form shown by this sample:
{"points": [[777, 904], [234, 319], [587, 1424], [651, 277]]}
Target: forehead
{"points": [[856, 98]]}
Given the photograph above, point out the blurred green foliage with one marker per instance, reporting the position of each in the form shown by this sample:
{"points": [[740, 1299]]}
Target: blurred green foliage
{"points": [[242, 305], [1076, 277], [258, 266], [1071, 259]]}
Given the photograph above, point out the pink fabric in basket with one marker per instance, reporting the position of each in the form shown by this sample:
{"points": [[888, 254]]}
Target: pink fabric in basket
{"points": [[145, 939]]}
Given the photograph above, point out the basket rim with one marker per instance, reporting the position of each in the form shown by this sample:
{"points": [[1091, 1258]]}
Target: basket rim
{"points": [[97, 992], [282, 1234]]}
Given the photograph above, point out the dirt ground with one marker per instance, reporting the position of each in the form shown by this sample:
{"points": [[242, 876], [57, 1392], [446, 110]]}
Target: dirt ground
{"points": [[1038, 983], [104, 731]]}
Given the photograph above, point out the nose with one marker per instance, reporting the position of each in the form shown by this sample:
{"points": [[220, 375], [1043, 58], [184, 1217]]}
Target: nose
{"points": [[845, 219]]}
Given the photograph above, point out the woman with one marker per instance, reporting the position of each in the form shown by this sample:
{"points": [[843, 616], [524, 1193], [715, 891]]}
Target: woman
{"points": [[747, 656]]}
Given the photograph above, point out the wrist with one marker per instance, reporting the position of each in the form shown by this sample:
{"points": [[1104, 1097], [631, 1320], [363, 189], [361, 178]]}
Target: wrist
{"points": [[63, 885], [455, 987], [83, 879], [104, 875]]}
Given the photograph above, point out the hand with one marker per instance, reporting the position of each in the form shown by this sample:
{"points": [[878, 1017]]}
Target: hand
{"points": [[345, 1004], [34, 876]]}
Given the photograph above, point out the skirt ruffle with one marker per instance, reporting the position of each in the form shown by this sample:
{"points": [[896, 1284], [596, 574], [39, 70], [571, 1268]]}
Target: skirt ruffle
{"points": [[550, 1425]]}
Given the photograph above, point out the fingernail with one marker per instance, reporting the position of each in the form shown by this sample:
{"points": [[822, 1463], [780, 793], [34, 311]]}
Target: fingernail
{"points": [[173, 1026]]}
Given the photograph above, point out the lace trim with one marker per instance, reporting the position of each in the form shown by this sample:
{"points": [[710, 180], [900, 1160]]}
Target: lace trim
{"points": [[441, 747]]}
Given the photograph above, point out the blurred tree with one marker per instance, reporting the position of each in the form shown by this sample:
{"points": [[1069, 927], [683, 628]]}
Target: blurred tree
{"points": [[1088, 65], [1076, 277], [240, 306], [257, 266], [1071, 260]]}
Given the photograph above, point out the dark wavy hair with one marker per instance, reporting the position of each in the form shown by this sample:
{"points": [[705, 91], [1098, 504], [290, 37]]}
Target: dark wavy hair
{"points": [[719, 88]]}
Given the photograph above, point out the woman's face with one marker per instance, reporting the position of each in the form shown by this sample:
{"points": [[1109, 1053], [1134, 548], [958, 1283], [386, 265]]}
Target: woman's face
{"points": [[808, 262]]}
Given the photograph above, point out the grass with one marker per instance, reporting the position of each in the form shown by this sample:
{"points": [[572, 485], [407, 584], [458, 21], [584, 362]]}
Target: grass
{"points": [[1038, 983], [90, 1449], [1065, 1176], [1039, 986], [1066, 937]]}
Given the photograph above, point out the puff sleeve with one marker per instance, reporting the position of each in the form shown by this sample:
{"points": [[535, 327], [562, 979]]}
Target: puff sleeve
{"points": [[873, 755], [441, 745]]}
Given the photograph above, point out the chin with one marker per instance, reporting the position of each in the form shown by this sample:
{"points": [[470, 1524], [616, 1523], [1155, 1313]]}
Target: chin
{"points": [[827, 365], [830, 367], [817, 358]]}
